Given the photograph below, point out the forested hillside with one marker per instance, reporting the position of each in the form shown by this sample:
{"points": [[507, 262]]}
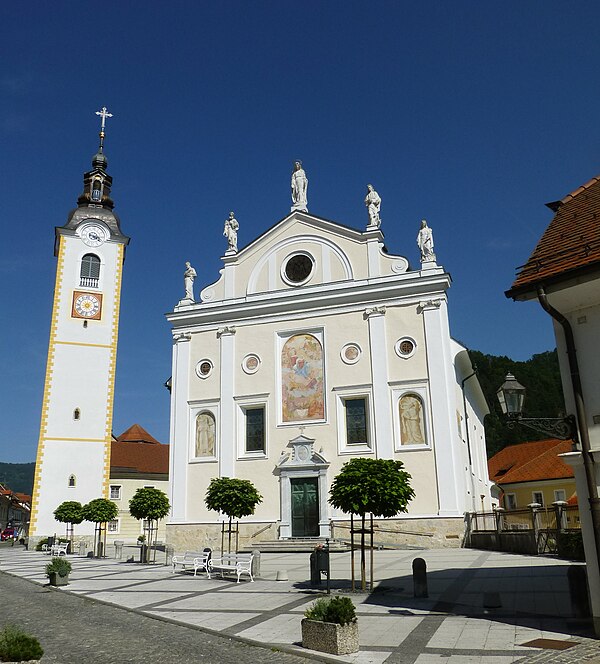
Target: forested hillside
{"points": [[17, 476], [540, 375]]}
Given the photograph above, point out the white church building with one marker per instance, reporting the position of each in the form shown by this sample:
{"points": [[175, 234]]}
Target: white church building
{"points": [[314, 346]]}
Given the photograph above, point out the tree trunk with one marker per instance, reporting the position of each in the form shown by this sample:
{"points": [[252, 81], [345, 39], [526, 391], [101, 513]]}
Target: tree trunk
{"points": [[363, 580]]}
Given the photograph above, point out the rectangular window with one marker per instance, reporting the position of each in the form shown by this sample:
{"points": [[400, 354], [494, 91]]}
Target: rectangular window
{"points": [[559, 494], [356, 421], [538, 497], [115, 492], [113, 526], [511, 501], [255, 429]]}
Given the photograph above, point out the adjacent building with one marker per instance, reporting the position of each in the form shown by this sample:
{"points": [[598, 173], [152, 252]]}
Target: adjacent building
{"points": [[563, 274], [533, 472], [137, 461]]}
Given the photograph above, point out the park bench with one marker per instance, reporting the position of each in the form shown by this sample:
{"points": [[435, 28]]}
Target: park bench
{"points": [[196, 559], [59, 549], [231, 563]]}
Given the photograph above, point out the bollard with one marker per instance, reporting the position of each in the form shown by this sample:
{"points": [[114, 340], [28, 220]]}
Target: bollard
{"points": [[315, 575], [419, 567], [118, 548], [82, 549], [169, 550], [256, 564], [578, 591]]}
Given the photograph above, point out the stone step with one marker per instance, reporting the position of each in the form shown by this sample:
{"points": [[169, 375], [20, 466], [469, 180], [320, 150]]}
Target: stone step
{"points": [[299, 545]]}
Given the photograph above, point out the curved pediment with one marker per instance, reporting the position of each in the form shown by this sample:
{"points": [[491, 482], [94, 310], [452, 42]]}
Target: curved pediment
{"points": [[303, 251]]}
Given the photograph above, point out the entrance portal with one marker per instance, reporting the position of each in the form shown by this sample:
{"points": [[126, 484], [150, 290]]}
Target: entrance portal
{"points": [[305, 506]]}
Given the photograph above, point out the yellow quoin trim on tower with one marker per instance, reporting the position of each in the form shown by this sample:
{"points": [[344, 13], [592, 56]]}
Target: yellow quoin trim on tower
{"points": [[112, 368], [50, 363]]}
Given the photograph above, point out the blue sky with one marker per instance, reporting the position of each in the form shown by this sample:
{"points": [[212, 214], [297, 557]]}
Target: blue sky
{"points": [[469, 114]]}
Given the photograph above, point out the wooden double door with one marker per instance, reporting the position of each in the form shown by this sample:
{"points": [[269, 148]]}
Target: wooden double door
{"points": [[305, 506]]}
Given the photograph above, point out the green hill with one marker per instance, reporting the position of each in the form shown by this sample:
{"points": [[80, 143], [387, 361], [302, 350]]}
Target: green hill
{"points": [[17, 476], [540, 375]]}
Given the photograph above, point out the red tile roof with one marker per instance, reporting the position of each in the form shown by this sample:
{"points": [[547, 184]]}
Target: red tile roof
{"points": [[137, 434], [136, 451], [530, 462], [569, 246]]}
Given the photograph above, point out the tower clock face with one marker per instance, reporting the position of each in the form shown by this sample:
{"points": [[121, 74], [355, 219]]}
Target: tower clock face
{"points": [[87, 305], [94, 235]]}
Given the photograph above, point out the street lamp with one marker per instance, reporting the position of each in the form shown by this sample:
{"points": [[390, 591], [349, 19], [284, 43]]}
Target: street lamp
{"points": [[511, 395]]}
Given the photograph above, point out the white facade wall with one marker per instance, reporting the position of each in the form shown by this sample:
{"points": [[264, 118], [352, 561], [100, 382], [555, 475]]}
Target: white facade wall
{"points": [[356, 294]]}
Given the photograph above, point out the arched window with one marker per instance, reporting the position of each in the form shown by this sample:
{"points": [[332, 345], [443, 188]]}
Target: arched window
{"points": [[76, 414], [97, 190], [90, 271], [71, 481]]}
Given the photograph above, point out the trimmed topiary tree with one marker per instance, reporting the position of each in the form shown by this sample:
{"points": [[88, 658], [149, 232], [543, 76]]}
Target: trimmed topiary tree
{"points": [[234, 497], [70, 513], [100, 511], [377, 486], [152, 505]]}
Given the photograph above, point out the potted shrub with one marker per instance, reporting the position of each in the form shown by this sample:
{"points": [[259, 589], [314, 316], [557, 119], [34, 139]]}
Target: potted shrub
{"points": [[17, 646], [57, 570], [330, 625]]}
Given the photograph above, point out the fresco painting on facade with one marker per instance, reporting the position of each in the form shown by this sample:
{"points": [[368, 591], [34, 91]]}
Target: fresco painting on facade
{"points": [[205, 435], [411, 420], [302, 379]]}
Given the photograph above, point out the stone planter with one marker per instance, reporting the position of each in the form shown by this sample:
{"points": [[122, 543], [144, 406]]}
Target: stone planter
{"points": [[58, 580], [330, 637]]}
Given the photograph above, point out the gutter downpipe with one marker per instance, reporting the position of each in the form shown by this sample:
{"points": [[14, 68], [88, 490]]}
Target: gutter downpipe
{"points": [[584, 437]]}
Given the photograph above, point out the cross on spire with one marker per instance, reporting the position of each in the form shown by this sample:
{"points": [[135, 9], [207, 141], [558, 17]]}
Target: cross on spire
{"points": [[103, 114]]}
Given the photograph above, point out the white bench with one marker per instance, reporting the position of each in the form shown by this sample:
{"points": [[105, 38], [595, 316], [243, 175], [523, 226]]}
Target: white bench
{"points": [[59, 549], [196, 559], [234, 563]]}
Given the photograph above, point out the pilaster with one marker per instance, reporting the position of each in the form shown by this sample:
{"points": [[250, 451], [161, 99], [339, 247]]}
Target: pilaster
{"points": [[452, 490], [227, 453], [384, 437], [178, 463]]}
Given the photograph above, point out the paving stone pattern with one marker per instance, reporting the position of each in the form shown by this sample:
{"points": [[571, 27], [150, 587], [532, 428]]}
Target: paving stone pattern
{"points": [[179, 618]]}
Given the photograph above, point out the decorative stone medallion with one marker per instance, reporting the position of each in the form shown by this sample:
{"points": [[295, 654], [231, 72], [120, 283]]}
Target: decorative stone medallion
{"points": [[351, 353], [251, 363], [204, 368]]}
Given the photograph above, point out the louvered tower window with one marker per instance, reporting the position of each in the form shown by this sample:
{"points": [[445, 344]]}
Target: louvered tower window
{"points": [[90, 271]]}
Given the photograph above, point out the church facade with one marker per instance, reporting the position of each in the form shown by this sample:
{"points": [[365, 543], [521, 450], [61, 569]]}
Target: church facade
{"points": [[315, 346]]}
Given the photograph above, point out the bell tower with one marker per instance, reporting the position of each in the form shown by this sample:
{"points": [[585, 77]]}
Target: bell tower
{"points": [[73, 457]]}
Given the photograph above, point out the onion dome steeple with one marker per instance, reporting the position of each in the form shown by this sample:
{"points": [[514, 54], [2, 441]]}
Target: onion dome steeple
{"points": [[97, 182], [95, 201]]}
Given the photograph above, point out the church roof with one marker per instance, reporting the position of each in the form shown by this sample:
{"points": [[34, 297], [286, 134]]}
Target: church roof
{"points": [[531, 462], [137, 434], [569, 247]]}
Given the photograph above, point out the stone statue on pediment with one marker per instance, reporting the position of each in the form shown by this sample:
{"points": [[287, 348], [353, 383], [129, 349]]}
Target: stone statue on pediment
{"points": [[373, 203], [425, 242], [188, 281], [230, 231], [299, 188]]}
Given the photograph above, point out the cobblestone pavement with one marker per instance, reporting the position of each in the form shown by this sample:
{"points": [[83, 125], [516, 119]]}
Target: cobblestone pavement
{"points": [[483, 608], [76, 630]]}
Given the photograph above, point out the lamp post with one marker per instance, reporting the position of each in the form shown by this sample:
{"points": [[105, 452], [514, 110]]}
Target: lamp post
{"points": [[511, 395]]}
